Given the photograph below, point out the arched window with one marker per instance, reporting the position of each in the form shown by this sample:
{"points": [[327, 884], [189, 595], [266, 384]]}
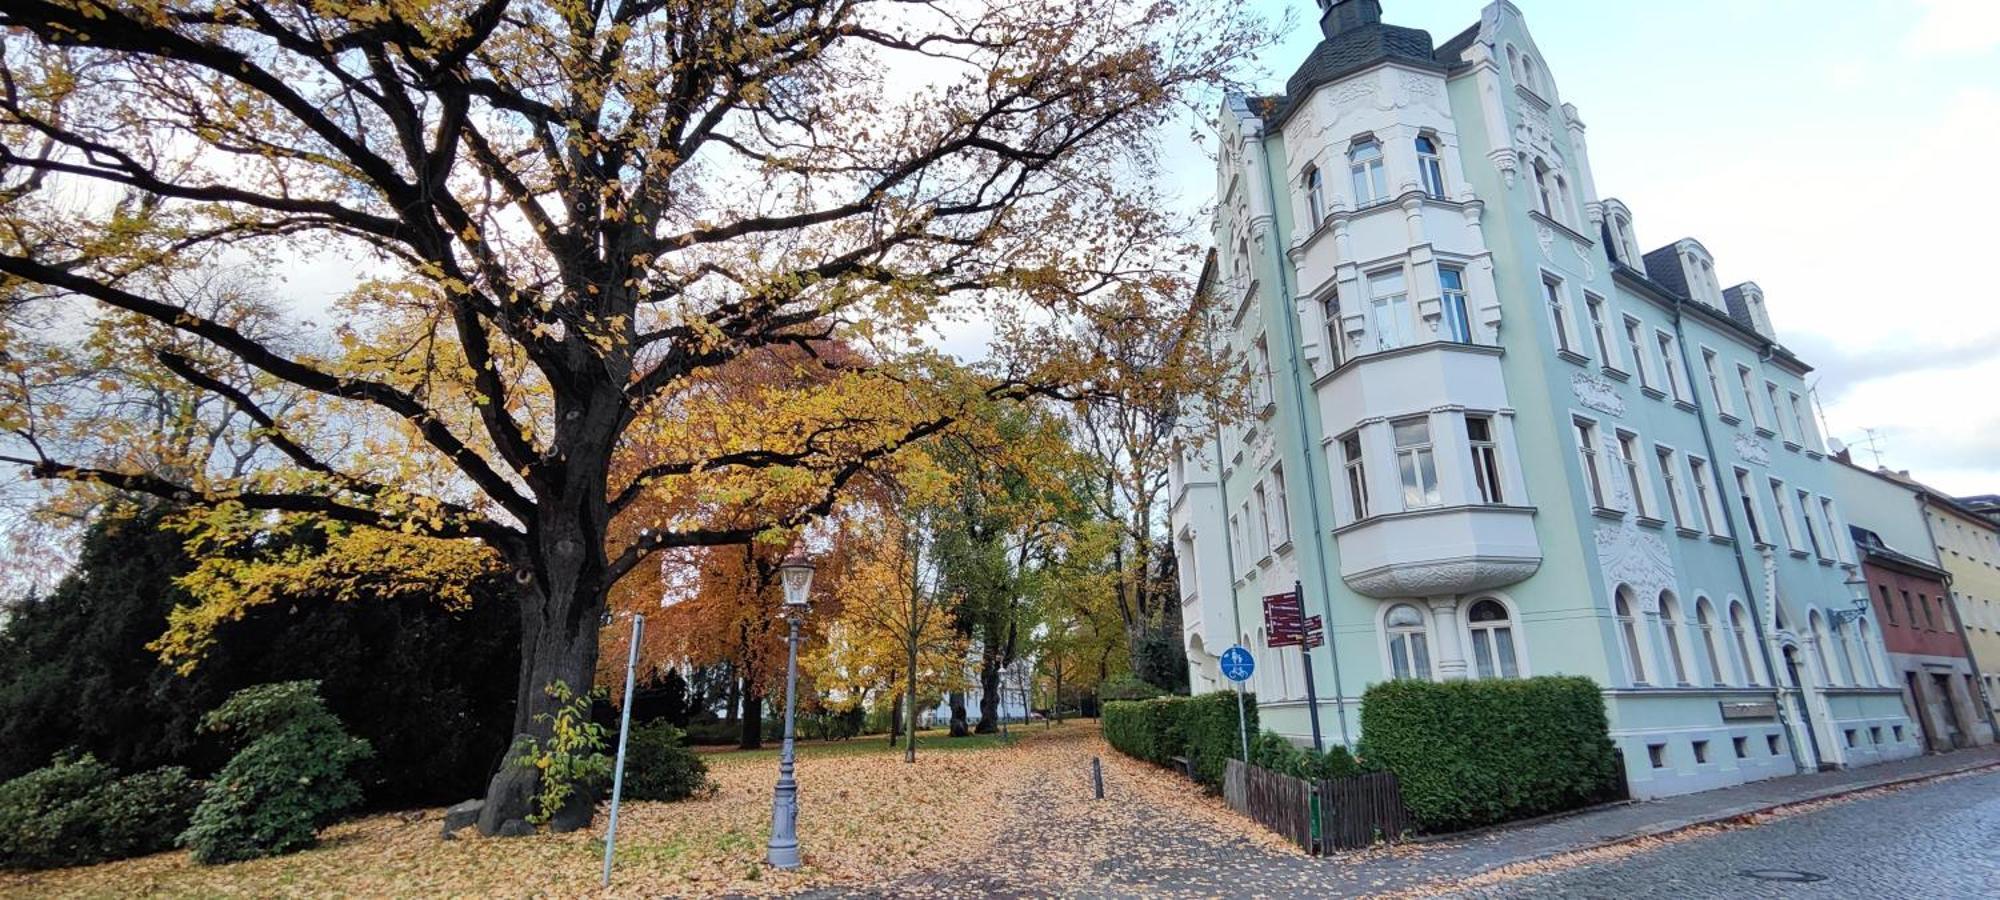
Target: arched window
{"points": [[1561, 198], [1514, 63], [1545, 188], [1635, 661], [1670, 626], [1628, 246], [1429, 166], [1492, 640], [1817, 627], [1849, 674], [1364, 163], [1315, 196], [1866, 633], [1704, 617], [1739, 627], [1528, 74], [1409, 651]]}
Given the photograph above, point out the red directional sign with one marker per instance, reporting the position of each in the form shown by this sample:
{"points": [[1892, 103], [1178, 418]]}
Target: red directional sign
{"points": [[1286, 625]]}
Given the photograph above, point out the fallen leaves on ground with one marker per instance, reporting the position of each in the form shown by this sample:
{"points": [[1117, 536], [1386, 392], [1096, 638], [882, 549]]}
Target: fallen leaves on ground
{"points": [[865, 817]]}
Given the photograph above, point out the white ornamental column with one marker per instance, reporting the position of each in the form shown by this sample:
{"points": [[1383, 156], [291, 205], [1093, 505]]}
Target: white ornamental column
{"points": [[1451, 663]]}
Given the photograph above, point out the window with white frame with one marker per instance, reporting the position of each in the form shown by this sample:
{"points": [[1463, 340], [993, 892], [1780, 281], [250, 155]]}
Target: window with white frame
{"points": [[1485, 458], [1236, 541], [1739, 629], [1670, 628], [1493, 651], [1416, 463], [1781, 507], [1595, 305], [1670, 367], [1636, 347], [1704, 498], [1389, 301], [1805, 506], [1263, 521], [1798, 420], [1843, 646], [1552, 291], [1747, 497], [1409, 648], [1586, 451], [1330, 310], [1261, 358], [1628, 246], [1357, 475], [1315, 196], [1749, 396], [1715, 390], [1818, 627], [1840, 551], [1281, 517], [1548, 191], [1456, 325], [1704, 619], [1628, 627], [1777, 411], [1364, 164], [1672, 483], [1429, 166], [1635, 478]]}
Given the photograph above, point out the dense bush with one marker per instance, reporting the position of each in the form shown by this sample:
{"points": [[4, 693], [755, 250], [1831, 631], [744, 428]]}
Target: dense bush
{"points": [[659, 765], [1147, 729], [1269, 751], [1471, 753], [1127, 687], [289, 780], [77, 811], [1209, 727]]}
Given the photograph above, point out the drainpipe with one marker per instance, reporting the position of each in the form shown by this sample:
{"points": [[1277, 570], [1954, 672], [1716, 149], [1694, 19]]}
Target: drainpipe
{"points": [[1320, 532], [1978, 681], [1742, 568]]}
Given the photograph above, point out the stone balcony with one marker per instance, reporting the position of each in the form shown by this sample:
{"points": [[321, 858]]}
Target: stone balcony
{"points": [[1439, 551]]}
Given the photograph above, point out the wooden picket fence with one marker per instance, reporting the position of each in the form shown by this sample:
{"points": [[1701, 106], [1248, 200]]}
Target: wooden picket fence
{"points": [[1353, 812]]}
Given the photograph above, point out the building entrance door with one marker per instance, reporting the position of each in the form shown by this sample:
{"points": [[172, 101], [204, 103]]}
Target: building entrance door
{"points": [[1947, 711], [1920, 712]]}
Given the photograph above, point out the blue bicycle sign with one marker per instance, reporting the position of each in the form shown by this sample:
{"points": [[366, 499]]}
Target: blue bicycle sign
{"points": [[1237, 664]]}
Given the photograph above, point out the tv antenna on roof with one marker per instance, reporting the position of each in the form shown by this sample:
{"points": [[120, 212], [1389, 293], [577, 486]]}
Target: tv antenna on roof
{"points": [[1874, 445]]}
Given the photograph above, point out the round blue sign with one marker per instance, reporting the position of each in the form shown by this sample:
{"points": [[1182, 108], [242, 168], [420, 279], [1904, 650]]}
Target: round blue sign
{"points": [[1237, 664]]}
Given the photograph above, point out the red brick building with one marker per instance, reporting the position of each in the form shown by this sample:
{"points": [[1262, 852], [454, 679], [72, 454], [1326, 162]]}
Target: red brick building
{"points": [[1925, 642]]}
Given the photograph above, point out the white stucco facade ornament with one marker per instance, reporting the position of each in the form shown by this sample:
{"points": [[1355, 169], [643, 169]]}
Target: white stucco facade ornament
{"points": [[1546, 236], [1750, 449], [1632, 556], [1442, 577], [1584, 265], [1596, 393]]}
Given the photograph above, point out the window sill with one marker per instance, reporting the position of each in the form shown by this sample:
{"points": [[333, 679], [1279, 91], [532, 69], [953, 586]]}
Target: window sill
{"points": [[1686, 532], [1793, 446], [1765, 431], [1651, 522], [1826, 562], [1267, 409], [1722, 539], [1729, 418], [1652, 392], [1800, 554], [1282, 547], [1571, 356], [1814, 454], [1605, 512], [1684, 406], [1611, 371]]}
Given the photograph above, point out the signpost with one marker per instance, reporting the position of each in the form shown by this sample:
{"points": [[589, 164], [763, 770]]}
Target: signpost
{"points": [[1287, 625], [1237, 666]]}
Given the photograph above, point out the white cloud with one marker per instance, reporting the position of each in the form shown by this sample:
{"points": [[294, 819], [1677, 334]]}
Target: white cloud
{"points": [[1954, 26]]}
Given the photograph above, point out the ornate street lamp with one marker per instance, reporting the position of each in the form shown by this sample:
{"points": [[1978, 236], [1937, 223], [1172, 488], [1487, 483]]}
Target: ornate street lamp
{"points": [[796, 574], [1857, 588]]}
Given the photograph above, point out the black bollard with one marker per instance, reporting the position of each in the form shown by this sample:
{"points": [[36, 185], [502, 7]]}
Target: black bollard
{"points": [[1097, 777]]}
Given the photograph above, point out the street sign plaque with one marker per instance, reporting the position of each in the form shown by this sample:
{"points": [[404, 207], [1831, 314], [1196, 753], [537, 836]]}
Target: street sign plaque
{"points": [[1238, 664]]}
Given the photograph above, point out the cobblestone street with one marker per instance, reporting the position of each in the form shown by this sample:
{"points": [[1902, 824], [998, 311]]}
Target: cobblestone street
{"points": [[1937, 840]]}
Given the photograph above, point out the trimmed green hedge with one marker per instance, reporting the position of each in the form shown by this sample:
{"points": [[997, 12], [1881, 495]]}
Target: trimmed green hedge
{"points": [[1472, 753], [1203, 729]]}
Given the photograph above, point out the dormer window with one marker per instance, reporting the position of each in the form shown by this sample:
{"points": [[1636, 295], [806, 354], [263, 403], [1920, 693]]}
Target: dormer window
{"points": [[1628, 246], [1315, 196], [1429, 166], [1364, 163]]}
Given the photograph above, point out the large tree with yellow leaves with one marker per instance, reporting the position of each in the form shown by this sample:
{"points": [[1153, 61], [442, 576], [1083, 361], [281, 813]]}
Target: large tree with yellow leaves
{"points": [[568, 210]]}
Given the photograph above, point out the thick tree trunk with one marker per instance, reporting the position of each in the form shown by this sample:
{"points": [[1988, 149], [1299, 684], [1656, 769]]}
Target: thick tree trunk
{"points": [[735, 695], [753, 720], [896, 719], [989, 692], [960, 727]]}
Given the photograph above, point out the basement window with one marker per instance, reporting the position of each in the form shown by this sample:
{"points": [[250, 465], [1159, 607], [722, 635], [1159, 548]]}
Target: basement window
{"points": [[1849, 732], [1742, 747], [1658, 754], [1700, 752], [1898, 729], [1771, 740], [1874, 734]]}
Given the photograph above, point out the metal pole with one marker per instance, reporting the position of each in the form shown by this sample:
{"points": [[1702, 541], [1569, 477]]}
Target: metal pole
{"points": [[1306, 653], [1242, 724], [783, 852], [624, 731]]}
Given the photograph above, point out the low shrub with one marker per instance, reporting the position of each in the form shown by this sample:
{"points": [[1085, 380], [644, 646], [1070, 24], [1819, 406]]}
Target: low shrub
{"points": [[290, 779], [77, 811], [714, 734], [1127, 687], [1209, 728], [1277, 754], [1472, 753], [659, 765]]}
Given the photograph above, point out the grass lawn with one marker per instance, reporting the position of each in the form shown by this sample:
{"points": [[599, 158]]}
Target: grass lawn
{"points": [[934, 740], [865, 815]]}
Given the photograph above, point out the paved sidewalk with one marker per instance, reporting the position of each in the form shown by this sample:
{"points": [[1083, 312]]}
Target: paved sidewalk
{"points": [[1068, 845]]}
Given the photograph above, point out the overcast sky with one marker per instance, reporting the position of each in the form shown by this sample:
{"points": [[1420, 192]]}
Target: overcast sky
{"points": [[1836, 153]]}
